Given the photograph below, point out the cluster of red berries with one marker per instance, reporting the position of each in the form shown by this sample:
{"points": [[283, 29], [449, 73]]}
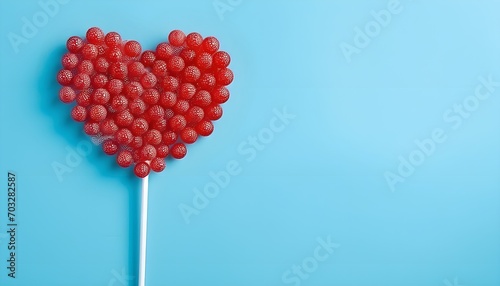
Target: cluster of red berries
{"points": [[148, 105]]}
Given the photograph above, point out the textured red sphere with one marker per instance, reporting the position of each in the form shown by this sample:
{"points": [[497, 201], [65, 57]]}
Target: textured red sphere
{"points": [[148, 152], [162, 151], [124, 158], [158, 164], [113, 39], [79, 113], [194, 40], [169, 137], [176, 38], [69, 61], [189, 135], [67, 94], [141, 169], [64, 77], [177, 123], [74, 44], [132, 49], [95, 35], [153, 137], [110, 147], [178, 151], [98, 113], [123, 136], [210, 45], [204, 128]]}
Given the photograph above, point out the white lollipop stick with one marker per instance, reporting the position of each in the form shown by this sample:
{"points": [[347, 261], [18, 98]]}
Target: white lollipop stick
{"points": [[144, 232]]}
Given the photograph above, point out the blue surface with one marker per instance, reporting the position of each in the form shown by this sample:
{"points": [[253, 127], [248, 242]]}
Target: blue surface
{"points": [[319, 177]]}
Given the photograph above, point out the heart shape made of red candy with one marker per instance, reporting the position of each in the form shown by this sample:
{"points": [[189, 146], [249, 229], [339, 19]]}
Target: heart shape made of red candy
{"points": [[145, 106]]}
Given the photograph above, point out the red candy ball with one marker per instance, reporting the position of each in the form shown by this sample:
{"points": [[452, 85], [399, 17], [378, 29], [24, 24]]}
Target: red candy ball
{"points": [[153, 137], [74, 44], [113, 39], [133, 89], [178, 151], [213, 112], [84, 98], [221, 59], [195, 114], [170, 83], [191, 74], [141, 169], [160, 124], [69, 61], [89, 51], [108, 127], [148, 80], [194, 40], [202, 98], [118, 70], [124, 158], [220, 94], [119, 103], [155, 113], [177, 123], [124, 118], [175, 64], [148, 153], [95, 35], [181, 107], [101, 96], [79, 113], [101, 65], [169, 137], [64, 77], [132, 49], [114, 54], [136, 143], [187, 90], [210, 45], [99, 81], [176, 38], [136, 69], [67, 94], [168, 99], [148, 58], [204, 61], [123, 136], [110, 147], [137, 106], [81, 81], [164, 51], [162, 151], [151, 96], [160, 68], [115, 86], [189, 135], [224, 76], [188, 55], [91, 128], [158, 164], [207, 81], [98, 113], [204, 128], [139, 126], [86, 66]]}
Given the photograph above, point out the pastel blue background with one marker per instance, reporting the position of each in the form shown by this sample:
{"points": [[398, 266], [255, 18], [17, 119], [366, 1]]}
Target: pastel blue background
{"points": [[323, 175]]}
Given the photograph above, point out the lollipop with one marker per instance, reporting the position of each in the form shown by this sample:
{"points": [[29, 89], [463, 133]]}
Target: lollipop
{"points": [[145, 106]]}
